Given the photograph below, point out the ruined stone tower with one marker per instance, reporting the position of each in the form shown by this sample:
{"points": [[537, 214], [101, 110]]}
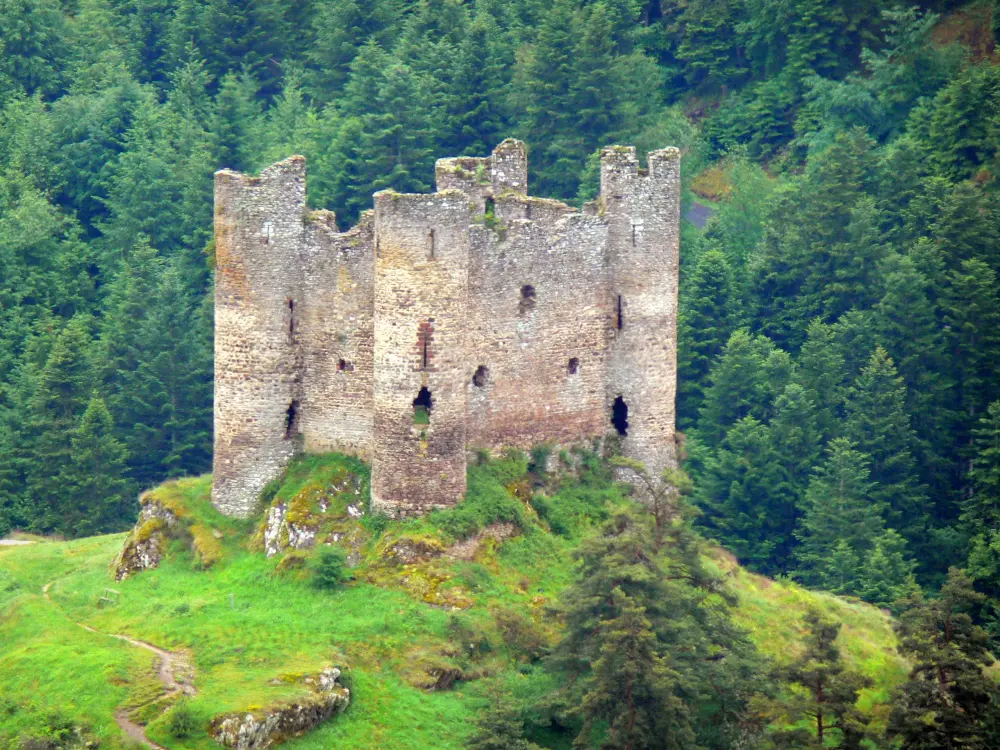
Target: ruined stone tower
{"points": [[472, 317]]}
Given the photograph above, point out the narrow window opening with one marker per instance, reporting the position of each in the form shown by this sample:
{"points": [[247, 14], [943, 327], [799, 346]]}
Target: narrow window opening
{"points": [[481, 377], [619, 314], [291, 317], [527, 211], [422, 406], [430, 244], [490, 208], [378, 248], [344, 366], [425, 335], [266, 232], [528, 298], [619, 416], [292, 420], [573, 366]]}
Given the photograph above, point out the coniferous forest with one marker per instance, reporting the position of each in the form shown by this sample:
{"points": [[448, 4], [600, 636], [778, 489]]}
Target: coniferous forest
{"points": [[839, 334]]}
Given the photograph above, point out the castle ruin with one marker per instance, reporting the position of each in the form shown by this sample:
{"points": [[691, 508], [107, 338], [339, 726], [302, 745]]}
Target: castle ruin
{"points": [[475, 317]]}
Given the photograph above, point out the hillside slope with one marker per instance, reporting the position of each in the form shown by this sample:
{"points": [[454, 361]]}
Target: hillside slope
{"points": [[436, 605]]}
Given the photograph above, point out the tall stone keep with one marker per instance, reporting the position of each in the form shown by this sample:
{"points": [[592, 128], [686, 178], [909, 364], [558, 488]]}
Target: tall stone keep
{"points": [[475, 317]]}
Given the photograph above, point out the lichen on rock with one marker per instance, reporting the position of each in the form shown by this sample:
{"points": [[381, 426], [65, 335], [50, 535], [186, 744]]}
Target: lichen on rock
{"points": [[146, 544], [264, 728]]}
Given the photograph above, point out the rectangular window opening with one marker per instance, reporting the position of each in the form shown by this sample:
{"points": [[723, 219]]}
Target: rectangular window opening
{"points": [[619, 314], [430, 244]]}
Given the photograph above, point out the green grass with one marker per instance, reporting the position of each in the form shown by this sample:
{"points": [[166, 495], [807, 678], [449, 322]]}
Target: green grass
{"points": [[250, 626]]}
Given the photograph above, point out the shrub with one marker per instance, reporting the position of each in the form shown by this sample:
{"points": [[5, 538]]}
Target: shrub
{"points": [[376, 523], [181, 722], [330, 569]]}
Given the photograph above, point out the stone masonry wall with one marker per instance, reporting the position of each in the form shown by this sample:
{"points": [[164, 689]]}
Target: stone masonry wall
{"points": [[538, 326], [337, 335], [421, 290], [523, 319], [642, 210], [259, 240]]}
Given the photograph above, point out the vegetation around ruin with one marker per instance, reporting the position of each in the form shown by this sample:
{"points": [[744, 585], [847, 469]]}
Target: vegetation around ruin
{"points": [[420, 631]]}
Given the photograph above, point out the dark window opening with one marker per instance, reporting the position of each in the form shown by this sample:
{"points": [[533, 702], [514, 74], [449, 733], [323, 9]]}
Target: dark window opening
{"points": [[422, 406], [527, 211], [528, 298], [425, 354], [292, 420], [482, 376], [490, 208], [574, 366], [633, 235], [619, 416], [344, 366], [291, 317], [430, 244], [619, 314]]}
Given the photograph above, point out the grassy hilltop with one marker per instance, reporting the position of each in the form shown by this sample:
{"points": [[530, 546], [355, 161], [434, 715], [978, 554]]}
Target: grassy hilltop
{"points": [[418, 633]]}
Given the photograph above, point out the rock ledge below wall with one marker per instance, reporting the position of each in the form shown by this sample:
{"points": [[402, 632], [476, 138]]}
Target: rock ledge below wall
{"points": [[264, 728]]}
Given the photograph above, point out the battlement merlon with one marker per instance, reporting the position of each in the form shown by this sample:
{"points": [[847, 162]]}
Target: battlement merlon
{"points": [[503, 171], [621, 173]]}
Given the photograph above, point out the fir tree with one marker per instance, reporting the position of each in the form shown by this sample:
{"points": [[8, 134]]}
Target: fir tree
{"points": [[98, 495], [981, 510], [878, 425], [838, 509], [704, 325]]}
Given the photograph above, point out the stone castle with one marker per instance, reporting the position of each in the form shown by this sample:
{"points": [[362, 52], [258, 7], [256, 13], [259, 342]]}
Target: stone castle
{"points": [[475, 317]]}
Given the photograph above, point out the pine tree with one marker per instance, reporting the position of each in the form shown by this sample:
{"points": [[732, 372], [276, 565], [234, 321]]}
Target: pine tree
{"points": [[947, 702], [886, 575], [542, 80], [499, 727], [877, 423], [829, 695], [639, 643], [906, 321]]}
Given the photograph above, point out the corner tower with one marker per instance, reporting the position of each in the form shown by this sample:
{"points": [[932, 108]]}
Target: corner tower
{"points": [[421, 300], [259, 240], [642, 209]]}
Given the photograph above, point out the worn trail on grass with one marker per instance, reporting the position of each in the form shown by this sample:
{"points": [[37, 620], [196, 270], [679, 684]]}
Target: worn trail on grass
{"points": [[175, 673]]}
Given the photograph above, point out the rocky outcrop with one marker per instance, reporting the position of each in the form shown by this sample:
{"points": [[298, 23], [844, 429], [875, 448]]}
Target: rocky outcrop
{"points": [[307, 518], [146, 544], [255, 730]]}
